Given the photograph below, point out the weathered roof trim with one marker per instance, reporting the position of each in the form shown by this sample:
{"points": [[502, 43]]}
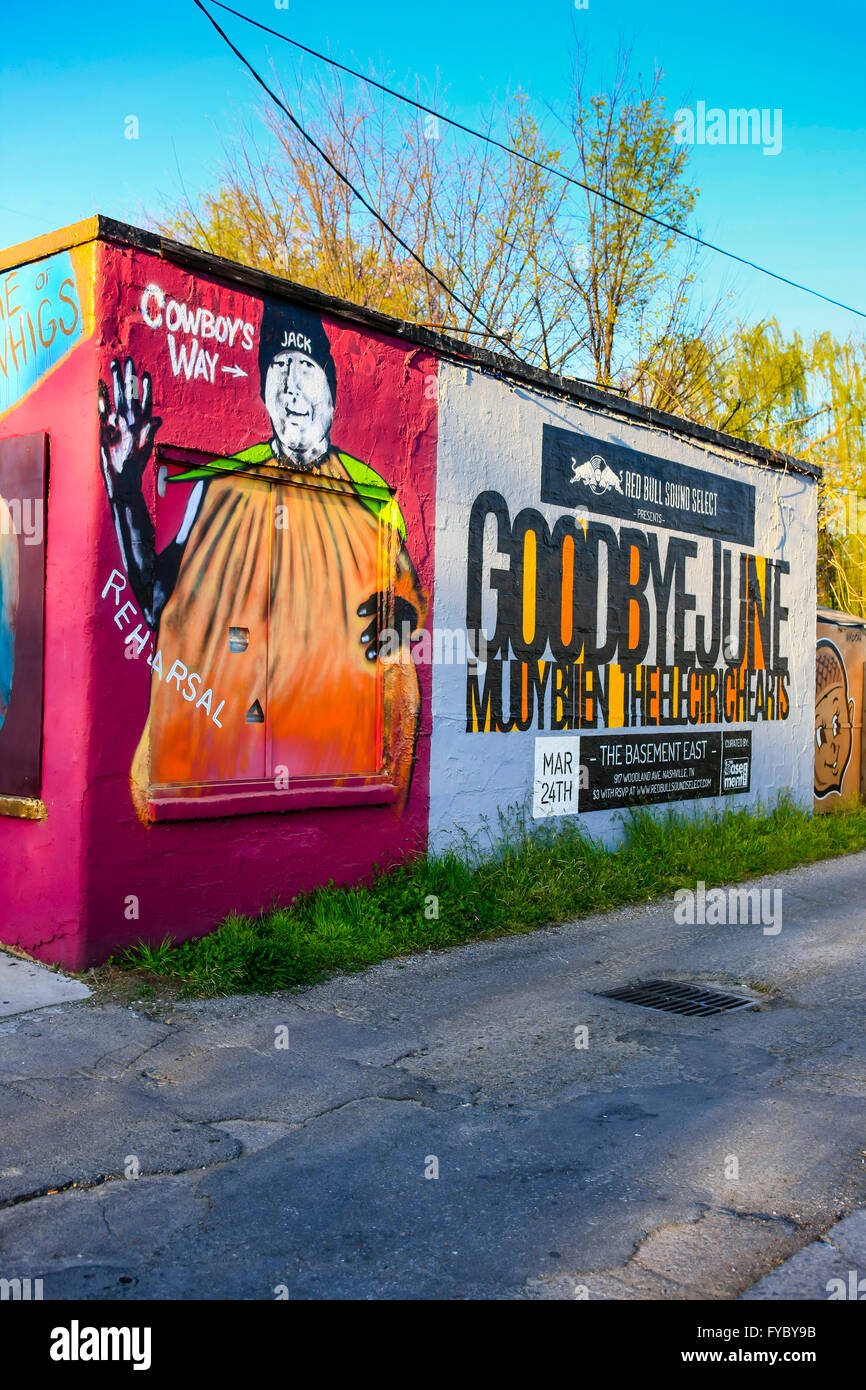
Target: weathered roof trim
{"points": [[105, 228], [23, 252]]}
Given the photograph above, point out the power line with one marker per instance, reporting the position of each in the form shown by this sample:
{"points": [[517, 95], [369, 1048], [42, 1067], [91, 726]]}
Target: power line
{"points": [[539, 164], [344, 179]]}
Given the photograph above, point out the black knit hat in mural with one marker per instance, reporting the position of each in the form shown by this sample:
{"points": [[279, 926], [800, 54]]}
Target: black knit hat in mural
{"points": [[291, 328]]}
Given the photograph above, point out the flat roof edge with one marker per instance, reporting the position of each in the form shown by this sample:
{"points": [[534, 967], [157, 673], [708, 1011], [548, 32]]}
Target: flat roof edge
{"points": [[109, 229], [49, 243]]}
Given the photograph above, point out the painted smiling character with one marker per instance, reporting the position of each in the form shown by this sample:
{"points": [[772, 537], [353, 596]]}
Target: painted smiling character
{"points": [[277, 594], [834, 717]]}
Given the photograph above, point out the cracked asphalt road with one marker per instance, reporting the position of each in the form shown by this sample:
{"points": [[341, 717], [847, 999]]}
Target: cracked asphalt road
{"points": [[560, 1168]]}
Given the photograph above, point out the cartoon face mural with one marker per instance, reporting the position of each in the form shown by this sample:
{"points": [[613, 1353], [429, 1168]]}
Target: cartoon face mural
{"points": [[834, 717], [268, 604]]}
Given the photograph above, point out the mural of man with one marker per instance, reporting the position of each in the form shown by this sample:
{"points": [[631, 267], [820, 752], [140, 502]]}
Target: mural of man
{"points": [[834, 717], [289, 563]]}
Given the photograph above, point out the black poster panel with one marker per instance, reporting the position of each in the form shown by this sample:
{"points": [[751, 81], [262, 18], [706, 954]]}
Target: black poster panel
{"points": [[613, 480], [643, 769]]}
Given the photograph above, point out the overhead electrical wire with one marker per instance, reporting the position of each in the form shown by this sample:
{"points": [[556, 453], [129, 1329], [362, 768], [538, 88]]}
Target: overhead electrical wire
{"points": [[360, 196], [518, 154]]}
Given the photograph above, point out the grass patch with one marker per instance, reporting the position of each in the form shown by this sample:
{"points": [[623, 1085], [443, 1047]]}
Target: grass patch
{"points": [[533, 877]]}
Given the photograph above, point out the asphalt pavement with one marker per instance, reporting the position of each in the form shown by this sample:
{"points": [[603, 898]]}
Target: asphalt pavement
{"points": [[443, 1126]]}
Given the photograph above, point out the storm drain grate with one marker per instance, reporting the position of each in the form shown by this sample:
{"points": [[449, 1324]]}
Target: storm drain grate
{"points": [[676, 998]]}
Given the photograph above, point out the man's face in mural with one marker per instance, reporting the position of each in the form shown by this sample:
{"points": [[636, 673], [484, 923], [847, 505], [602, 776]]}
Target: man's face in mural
{"points": [[299, 402], [834, 715]]}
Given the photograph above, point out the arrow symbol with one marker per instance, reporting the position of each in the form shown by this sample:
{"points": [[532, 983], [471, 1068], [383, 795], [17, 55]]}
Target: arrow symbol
{"points": [[235, 371]]}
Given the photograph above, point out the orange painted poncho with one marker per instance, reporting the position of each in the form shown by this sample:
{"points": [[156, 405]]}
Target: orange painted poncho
{"points": [[288, 564]]}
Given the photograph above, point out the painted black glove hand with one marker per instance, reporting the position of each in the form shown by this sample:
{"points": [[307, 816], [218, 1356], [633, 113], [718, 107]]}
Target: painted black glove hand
{"points": [[405, 620], [125, 432]]}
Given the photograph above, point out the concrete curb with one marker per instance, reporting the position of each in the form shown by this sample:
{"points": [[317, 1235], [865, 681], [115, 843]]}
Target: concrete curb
{"points": [[25, 985], [839, 1256]]}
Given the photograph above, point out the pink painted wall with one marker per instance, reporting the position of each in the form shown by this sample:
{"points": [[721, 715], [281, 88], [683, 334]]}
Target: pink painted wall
{"points": [[68, 897], [43, 862], [187, 875]]}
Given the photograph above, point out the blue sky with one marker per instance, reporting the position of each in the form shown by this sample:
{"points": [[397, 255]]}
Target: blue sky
{"points": [[71, 74]]}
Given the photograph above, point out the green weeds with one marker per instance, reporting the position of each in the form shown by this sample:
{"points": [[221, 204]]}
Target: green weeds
{"points": [[531, 876]]}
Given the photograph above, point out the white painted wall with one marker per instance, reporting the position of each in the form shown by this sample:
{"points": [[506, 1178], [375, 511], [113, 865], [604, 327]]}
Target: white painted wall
{"points": [[490, 437]]}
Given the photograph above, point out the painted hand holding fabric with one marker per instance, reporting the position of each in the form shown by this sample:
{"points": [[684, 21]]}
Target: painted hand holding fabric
{"points": [[374, 608]]}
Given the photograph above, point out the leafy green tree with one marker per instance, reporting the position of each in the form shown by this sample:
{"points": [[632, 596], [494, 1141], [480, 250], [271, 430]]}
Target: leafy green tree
{"points": [[565, 280], [803, 397], [630, 284]]}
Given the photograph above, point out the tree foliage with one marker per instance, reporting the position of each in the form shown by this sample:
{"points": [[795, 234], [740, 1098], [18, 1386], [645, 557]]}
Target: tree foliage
{"points": [[555, 274], [805, 397], [558, 277]]}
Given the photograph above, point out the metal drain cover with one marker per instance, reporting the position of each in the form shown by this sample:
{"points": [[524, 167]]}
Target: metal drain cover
{"points": [[676, 998]]}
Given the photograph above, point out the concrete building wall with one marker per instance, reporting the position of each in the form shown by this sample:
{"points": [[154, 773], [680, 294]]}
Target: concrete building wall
{"points": [[551, 514], [255, 674]]}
